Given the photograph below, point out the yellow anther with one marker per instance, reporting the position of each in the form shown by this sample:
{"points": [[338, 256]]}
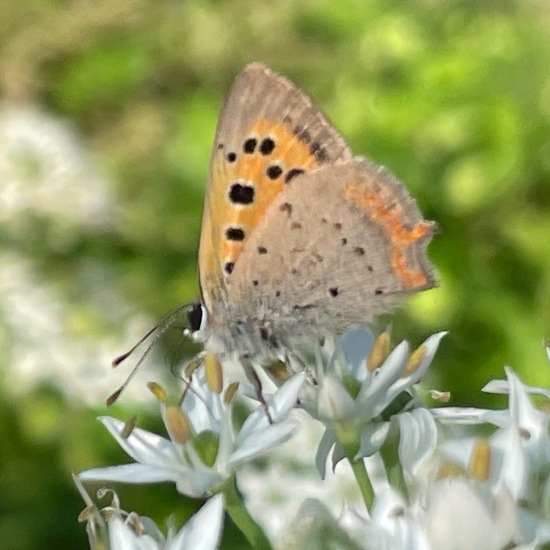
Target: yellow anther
{"points": [[230, 392], [380, 350], [278, 371], [157, 391], [440, 396], [480, 460], [449, 469], [213, 373], [89, 512], [129, 427], [415, 359], [192, 365], [178, 425]]}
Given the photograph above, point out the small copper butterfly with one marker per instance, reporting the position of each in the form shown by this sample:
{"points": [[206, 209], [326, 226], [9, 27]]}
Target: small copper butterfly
{"points": [[300, 238]]}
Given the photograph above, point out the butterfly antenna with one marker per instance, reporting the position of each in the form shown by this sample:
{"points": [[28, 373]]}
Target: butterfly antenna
{"points": [[116, 362], [168, 321]]}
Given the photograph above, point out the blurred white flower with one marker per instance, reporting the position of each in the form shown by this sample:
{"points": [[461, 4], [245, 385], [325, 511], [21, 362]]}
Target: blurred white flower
{"points": [[51, 192], [45, 172], [464, 514], [275, 490], [49, 341]]}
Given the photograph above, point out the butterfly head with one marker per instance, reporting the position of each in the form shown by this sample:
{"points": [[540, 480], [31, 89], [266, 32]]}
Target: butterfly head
{"points": [[197, 317]]}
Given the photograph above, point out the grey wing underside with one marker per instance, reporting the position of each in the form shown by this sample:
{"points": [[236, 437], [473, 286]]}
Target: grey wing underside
{"points": [[339, 246]]}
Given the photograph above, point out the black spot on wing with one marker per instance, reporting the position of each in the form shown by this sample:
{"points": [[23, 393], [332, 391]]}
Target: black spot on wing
{"points": [[229, 266], [249, 145], [234, 234], [274, 171], [266, 146], [241, 193]]}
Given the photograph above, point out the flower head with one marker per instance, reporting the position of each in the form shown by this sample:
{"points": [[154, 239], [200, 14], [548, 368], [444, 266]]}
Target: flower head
{"points": [[200, 460], [355, 400]]}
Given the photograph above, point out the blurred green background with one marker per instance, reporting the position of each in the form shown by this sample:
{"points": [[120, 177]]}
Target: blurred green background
{"points": [[107, 114]]}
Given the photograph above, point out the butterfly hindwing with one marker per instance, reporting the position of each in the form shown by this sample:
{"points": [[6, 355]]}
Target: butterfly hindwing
{"points": [[344, 259], [268, 134]]}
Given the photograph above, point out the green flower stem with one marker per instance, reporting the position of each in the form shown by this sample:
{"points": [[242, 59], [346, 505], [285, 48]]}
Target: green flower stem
{"points": [[394, 471], [360, 473], [242, 519], [363, 480]]}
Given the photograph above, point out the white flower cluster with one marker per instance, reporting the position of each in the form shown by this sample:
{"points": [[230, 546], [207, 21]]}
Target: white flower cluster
{"points": [[51, 192], [423, 478], [46, 174]]}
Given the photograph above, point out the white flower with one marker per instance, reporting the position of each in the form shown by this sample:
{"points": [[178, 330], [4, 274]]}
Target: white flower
{"points": [[49, 340], [275, 490], [129, 531], [201, 464], [463, 514], [351, 400], [46, 173], [201, 532]]}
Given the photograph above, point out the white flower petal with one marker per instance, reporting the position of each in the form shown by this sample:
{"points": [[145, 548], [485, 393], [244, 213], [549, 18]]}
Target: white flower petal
{"points": [[458, 450], [470, 415], [325, 446], [123, 537], [372, 438], [203, 530], [508, 462], [130, 473], [198, 483], [259, 442], [459, 518], [356, 344], [502, 387], [402, 383], [141, 445], [203, 407], [334, 403], [279, 405], [417, 439], [372, 393]]}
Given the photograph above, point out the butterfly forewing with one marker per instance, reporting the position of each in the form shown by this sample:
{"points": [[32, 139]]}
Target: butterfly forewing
{"points": [[268, 134]]}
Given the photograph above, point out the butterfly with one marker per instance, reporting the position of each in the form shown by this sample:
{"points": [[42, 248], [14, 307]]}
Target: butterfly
{"points": [[300, 238]]}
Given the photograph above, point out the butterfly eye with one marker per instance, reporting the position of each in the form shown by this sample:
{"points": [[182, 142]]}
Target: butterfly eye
{"points": [[196, 317]]}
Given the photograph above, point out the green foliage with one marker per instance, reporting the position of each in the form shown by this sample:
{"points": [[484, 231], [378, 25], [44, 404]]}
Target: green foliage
{"points": [[454, 97]]}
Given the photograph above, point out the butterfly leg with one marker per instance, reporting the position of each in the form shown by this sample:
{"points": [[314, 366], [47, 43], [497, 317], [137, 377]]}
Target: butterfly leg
{"points": [[257, 385], [189, 368], [297, 364]]}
